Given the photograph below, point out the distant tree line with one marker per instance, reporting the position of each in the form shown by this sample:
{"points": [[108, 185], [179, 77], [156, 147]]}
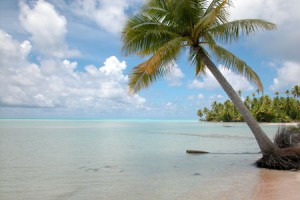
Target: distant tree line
{"points": [[263, 108]]}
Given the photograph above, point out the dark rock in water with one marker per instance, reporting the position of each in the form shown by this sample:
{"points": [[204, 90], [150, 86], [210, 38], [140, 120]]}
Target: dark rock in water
{"points": [[196, 174]]}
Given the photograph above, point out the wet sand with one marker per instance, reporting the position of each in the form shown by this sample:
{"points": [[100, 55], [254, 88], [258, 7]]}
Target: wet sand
{"points": [[261, 184], [277, 185]]}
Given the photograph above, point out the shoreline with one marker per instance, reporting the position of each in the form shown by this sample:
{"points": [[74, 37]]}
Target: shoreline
{"points": [[280, 124], [260, 123]]}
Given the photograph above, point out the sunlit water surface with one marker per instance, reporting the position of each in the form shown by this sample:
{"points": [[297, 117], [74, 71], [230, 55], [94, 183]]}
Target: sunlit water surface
{"points": [[94, 159]]}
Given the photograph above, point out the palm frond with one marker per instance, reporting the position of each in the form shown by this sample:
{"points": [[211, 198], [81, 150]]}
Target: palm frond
{"points": [[143, 32], [196, 59], [140, 78], [231, 61], [189, 10], [200, 69], [231, 31], [214, 3], [217, 15], [169, 47], [155, 67]]}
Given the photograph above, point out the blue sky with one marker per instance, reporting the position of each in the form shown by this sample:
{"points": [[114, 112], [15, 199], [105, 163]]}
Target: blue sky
{"points": [[62, 59]]}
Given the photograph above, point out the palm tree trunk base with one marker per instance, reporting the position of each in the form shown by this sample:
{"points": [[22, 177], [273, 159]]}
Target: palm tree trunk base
{"points": [[287, 157], [282, 159]]}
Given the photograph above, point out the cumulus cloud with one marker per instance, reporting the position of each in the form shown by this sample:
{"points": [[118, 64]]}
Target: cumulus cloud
{"points": [[287, 76], [170, 106], [197, 97], [109, 15], [285, 14], [175, 76], [200, 96], [238, 82], [214, 97], [47, 29], [279, 11], [57, 83]]}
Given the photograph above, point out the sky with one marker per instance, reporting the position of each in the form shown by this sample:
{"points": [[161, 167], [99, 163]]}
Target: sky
{"points": [[63, 59]]}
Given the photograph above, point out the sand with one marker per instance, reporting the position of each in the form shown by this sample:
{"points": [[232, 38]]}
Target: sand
{"points": [[280, 124], [263, 184], [277, 185]]}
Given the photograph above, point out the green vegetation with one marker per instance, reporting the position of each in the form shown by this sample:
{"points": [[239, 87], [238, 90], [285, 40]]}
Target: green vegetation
{"points": [[263, 108]]}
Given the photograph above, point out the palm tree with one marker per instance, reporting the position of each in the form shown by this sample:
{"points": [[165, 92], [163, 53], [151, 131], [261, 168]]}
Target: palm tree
{"points": [[288, 107], [296, 91], [287, 92], [162, 29], [205, 110], [200, 113], [247, 102], [257, 90]]}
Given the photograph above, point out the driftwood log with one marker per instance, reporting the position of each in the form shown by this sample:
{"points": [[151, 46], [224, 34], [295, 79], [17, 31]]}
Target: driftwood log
{"points": [[196, 152]]}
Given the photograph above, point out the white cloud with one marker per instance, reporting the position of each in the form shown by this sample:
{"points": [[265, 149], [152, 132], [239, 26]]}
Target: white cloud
{"points": [[12, 50], [287, 76], [201, 96], [170, 106], [213, 97], [220, 96], [109, 15], [238, 82], [283, 42], [191, 97], [56, 83], [279, 11], [47, 28], [175, 76]]}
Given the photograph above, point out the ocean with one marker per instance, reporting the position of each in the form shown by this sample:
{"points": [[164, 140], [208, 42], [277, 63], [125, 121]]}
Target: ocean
{"points": [[126, 159]]}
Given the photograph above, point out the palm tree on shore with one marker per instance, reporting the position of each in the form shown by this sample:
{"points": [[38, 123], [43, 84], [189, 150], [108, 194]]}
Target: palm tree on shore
{"points": [[296, 93], [162, 29], [200, 113]]}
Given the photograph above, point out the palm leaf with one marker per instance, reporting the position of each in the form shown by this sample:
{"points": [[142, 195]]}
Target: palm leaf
{"points": [[215, 3], [217, 15], [231, 61], [143, 32], [156, 66], [196, 59], [231, 31]]}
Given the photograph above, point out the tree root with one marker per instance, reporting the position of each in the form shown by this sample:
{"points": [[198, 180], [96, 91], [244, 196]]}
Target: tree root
{"points": [[287, 157], [282, 159]]}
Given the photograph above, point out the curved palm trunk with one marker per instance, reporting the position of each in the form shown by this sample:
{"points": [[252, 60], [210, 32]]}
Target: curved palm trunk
{"points": [[265, 144]]}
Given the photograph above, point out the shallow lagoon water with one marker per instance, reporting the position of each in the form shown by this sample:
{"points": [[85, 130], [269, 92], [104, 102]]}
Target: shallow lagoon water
{"points": [[102, 159]]}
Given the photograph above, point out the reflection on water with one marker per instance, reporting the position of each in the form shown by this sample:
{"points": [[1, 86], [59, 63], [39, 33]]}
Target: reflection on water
{"points": [[42, 159]]}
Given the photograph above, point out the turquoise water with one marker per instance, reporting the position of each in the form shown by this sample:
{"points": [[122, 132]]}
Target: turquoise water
{"points": [[105, 159]]}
